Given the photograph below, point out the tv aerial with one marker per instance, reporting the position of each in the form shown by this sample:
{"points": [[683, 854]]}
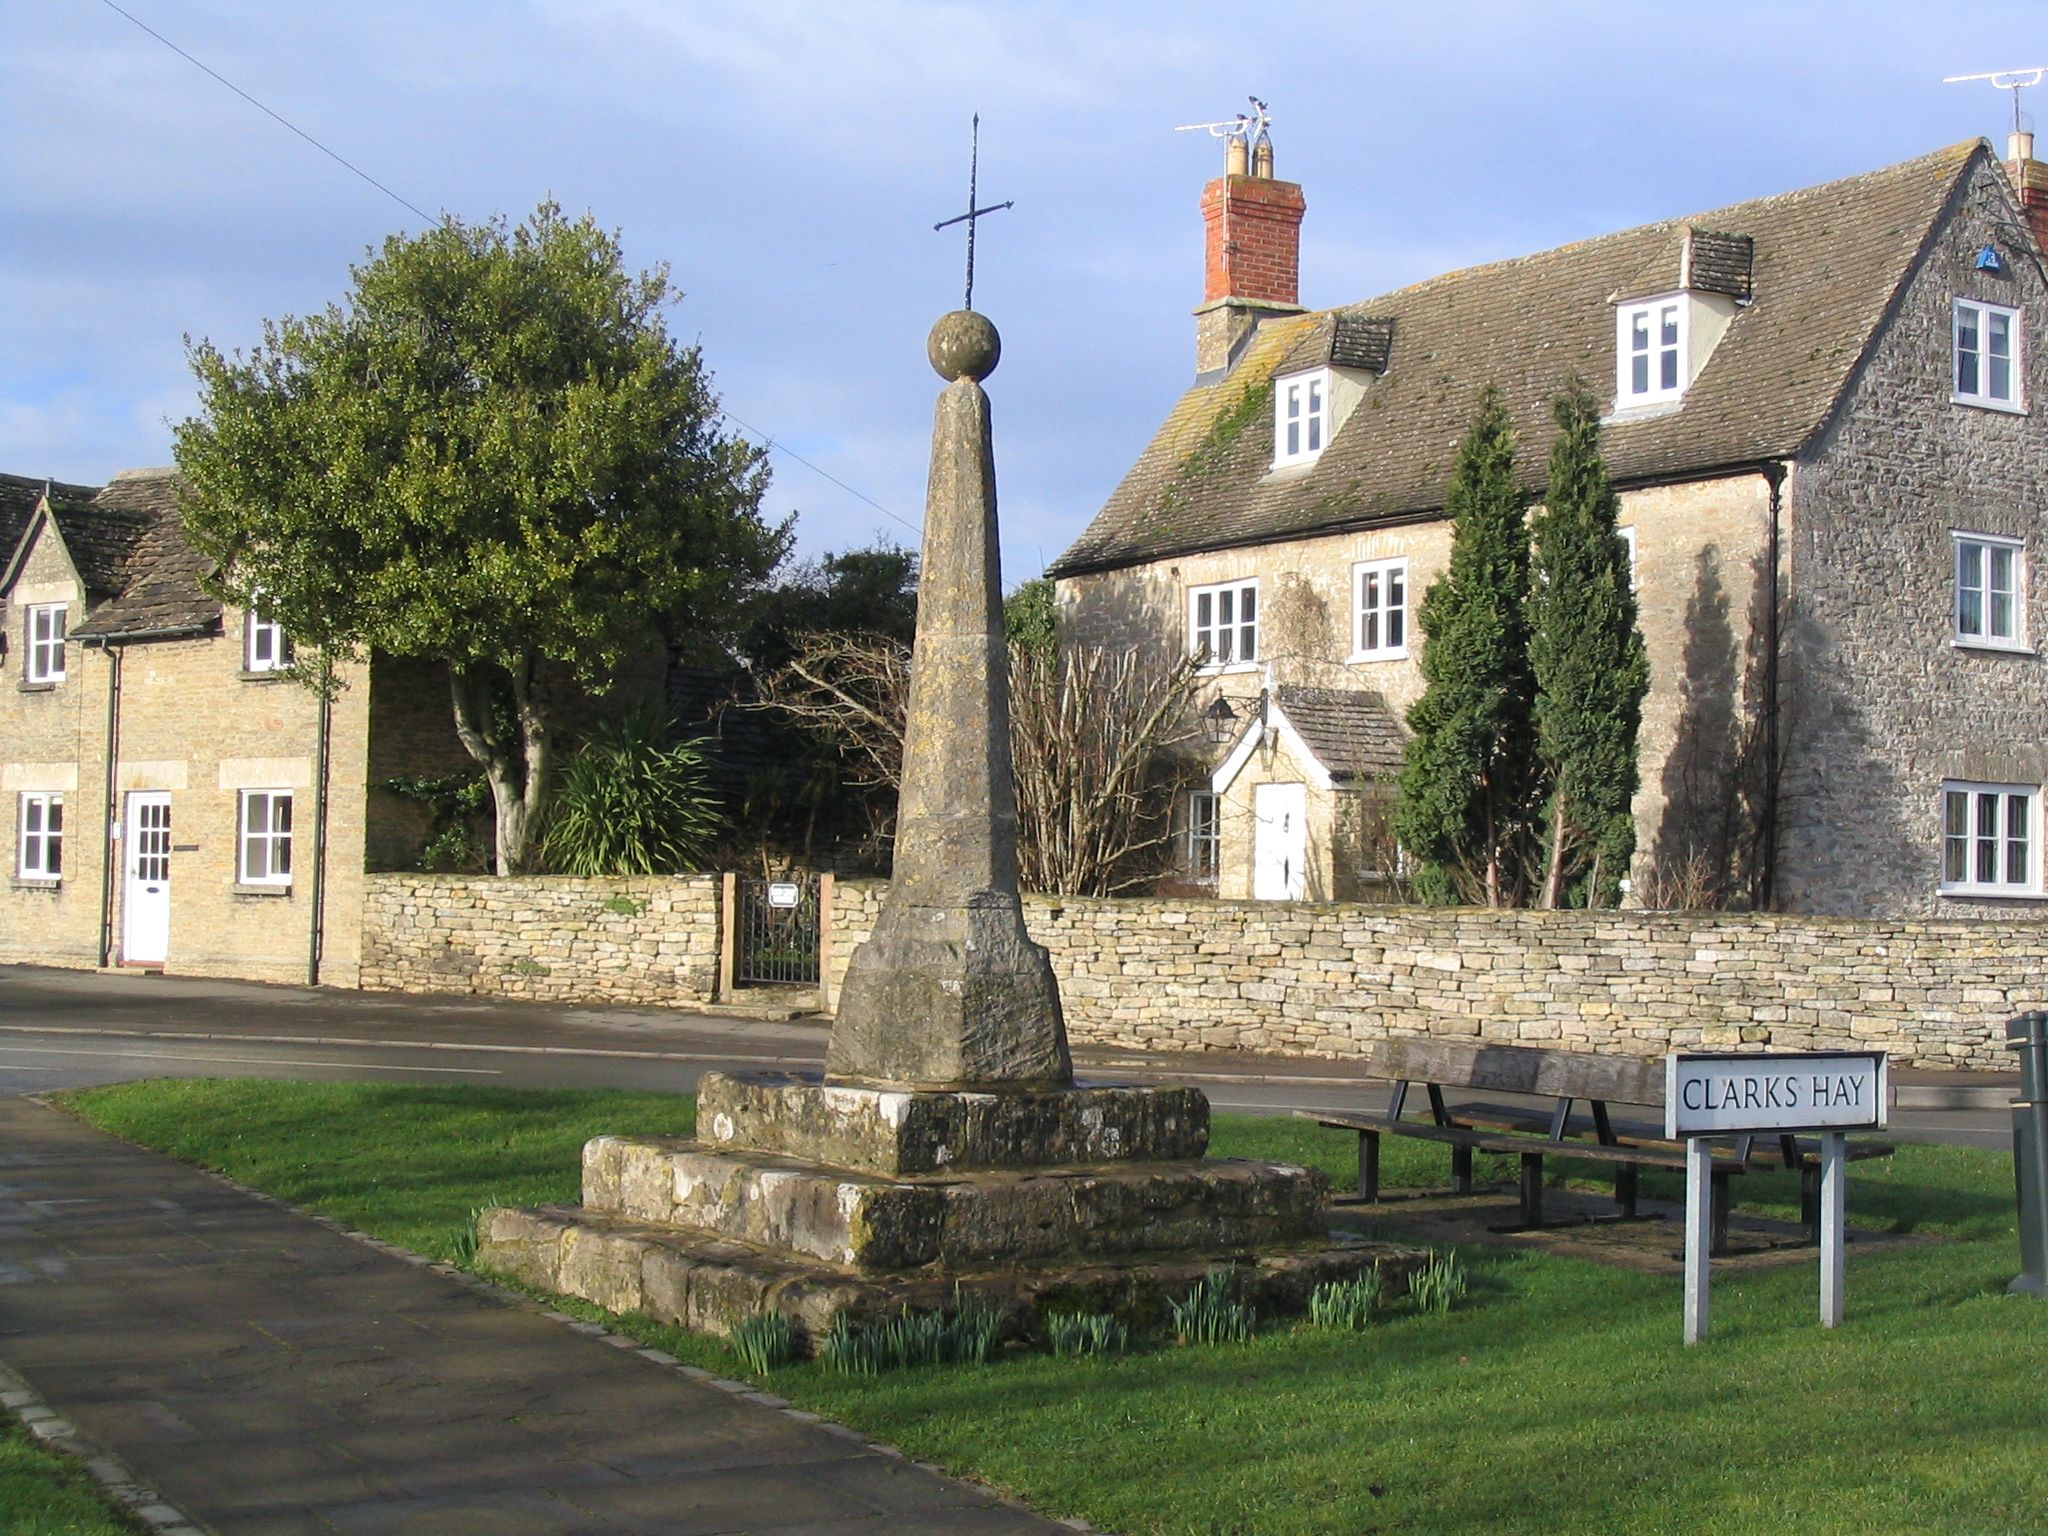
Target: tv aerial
{"points": [[1250, 126], [2014, 80]]}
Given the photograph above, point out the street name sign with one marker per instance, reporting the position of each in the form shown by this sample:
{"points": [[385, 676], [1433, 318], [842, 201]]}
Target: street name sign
{"points": [[1732, 1095], [1709, 1095]]}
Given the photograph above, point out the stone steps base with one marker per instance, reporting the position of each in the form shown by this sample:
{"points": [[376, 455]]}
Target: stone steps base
{"points": [[871, 1223], [709, 1284]]}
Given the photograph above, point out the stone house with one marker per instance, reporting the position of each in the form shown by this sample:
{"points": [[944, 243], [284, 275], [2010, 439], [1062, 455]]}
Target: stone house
{"points": [[175, 799], [1823, 425]]}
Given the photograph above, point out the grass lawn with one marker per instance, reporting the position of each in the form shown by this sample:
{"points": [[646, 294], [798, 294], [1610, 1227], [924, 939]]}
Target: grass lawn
{"points": [[46, 1493], [1558, 1398]]}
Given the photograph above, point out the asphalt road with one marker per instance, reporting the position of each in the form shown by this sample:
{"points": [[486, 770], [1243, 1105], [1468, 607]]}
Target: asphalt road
{"points": [[66, 1029]]}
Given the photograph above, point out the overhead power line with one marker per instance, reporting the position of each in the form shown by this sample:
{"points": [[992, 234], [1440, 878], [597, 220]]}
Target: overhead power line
{"points": [[346, 165], [355, 170]]}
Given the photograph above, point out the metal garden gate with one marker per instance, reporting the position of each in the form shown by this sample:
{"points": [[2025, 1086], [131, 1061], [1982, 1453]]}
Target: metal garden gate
{"points": [[775, 940]]}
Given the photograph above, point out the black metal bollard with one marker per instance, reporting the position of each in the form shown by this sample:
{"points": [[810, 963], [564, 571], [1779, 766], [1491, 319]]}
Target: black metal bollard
{"points": [[2028, 1034]]}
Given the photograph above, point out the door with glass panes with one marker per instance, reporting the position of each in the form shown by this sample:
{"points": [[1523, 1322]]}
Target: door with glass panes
{"points": [[146, 899]]}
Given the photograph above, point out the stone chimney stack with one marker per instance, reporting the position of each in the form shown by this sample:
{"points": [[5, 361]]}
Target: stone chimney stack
{"points": [[2029, 184], [1253, 266]]}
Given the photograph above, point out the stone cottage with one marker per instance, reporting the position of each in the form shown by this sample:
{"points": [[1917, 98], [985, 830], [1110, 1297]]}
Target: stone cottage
{"points": [[177, 800], [1823, 423]]}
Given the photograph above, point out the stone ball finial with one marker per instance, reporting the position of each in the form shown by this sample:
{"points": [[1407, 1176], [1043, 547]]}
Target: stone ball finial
{"points": [[964, 345]]}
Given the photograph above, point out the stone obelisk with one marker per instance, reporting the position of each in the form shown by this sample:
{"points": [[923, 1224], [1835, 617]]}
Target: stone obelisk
{"points": [[950, 991], [949, 1150]]}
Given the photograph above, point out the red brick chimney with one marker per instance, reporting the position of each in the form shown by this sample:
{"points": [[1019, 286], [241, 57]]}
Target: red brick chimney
{"points": [[1253, 265], [2029, 184]]}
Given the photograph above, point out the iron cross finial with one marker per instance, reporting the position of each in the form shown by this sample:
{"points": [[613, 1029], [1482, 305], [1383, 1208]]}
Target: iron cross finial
{"points": [[973, 212]]}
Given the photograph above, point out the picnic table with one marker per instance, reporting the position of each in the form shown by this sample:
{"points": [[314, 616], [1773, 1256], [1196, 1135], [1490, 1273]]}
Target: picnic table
{"points": [[1602, 1083]]}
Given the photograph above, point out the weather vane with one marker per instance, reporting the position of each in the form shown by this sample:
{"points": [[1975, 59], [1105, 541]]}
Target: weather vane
{"points": [[973, 212], [2014, 80]]}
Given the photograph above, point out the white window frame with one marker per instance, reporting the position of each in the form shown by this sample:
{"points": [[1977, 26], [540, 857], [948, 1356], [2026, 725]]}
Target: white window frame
{"points": [[1241, 636], [1966, 841], [251, 836], [1388, 640], [1204, 834], [43, 661], [1984, 636], [2014, 399], [39, 846], [261, 635], [1301, 417], [1654, 351]]}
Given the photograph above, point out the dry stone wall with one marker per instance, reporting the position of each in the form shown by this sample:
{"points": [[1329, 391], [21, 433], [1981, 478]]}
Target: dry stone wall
{"points": [[638, 940], [1327, 980], [1296, 978]]}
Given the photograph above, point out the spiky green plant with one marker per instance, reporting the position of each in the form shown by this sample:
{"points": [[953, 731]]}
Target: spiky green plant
{"points": [[630, 802], [763, 1341], [1346, 1305], [967, 1335], [1439, 1285], [1086, 1333], [1215, 1311]]}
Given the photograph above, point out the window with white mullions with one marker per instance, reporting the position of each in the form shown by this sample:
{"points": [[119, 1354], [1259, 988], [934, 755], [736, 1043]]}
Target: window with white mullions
{"points": [[266, 837], [1381, 596], [41, 843], [1301, 423], [1989, 845], [45, 661], [265, 645], [1650, 341], [1990, 591], [1204, 834], [1987, 355], [1223, 624]]}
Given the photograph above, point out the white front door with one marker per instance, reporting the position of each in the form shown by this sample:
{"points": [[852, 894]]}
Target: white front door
{"points": [[146, 904], [1279, 841]]}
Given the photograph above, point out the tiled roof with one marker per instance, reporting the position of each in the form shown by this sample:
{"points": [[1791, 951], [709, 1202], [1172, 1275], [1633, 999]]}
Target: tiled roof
{"points": [[161, 594], [1351, 730], [1827, 263], [19, 497]]}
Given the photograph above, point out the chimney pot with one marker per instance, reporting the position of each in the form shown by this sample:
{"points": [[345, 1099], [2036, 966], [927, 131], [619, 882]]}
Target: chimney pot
{"points": [[1234, 156], [1262, 159], [1253, 265], [2029, 183]]}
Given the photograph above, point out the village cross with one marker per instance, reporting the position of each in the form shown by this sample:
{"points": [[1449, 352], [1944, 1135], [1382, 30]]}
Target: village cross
{"points": [[972, 213]]}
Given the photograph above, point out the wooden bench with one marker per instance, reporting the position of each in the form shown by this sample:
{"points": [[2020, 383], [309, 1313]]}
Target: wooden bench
{"points": [[1566, 1079]]}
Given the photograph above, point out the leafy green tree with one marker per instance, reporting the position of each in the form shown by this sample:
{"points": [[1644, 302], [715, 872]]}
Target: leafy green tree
{"points": [[1031, 618], [632, 802], [1465, 788], [870, 591], [492, 453], [1589, 664]]}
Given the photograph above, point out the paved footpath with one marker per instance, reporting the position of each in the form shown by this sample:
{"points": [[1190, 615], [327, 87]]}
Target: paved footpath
{"points": [[270, 1376]]}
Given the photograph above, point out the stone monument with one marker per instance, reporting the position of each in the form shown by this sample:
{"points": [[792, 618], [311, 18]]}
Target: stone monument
{"points": [[947, 1147]]}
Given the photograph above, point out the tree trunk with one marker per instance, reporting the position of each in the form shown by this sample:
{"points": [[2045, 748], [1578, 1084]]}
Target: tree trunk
{"points": [[517, 764], [1553, 874]]}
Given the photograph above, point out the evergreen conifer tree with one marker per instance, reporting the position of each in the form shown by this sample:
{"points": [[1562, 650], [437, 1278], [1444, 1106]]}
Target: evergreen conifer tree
{"points": [[1465, 788], [1590, 668]]}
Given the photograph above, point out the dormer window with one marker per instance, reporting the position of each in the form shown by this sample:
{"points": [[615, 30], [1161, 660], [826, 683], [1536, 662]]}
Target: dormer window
{"points": [[45, 663], [1301, 423], [1650, 348]]}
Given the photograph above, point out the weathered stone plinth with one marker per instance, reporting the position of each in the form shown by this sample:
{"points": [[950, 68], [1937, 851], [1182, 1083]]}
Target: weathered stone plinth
{"points": [[907, 1132], [708, 1284], [814, 1198], [864, 1222]]}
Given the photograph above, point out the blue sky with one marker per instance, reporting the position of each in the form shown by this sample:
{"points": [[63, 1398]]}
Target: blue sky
{"points": [[788, 161]]}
